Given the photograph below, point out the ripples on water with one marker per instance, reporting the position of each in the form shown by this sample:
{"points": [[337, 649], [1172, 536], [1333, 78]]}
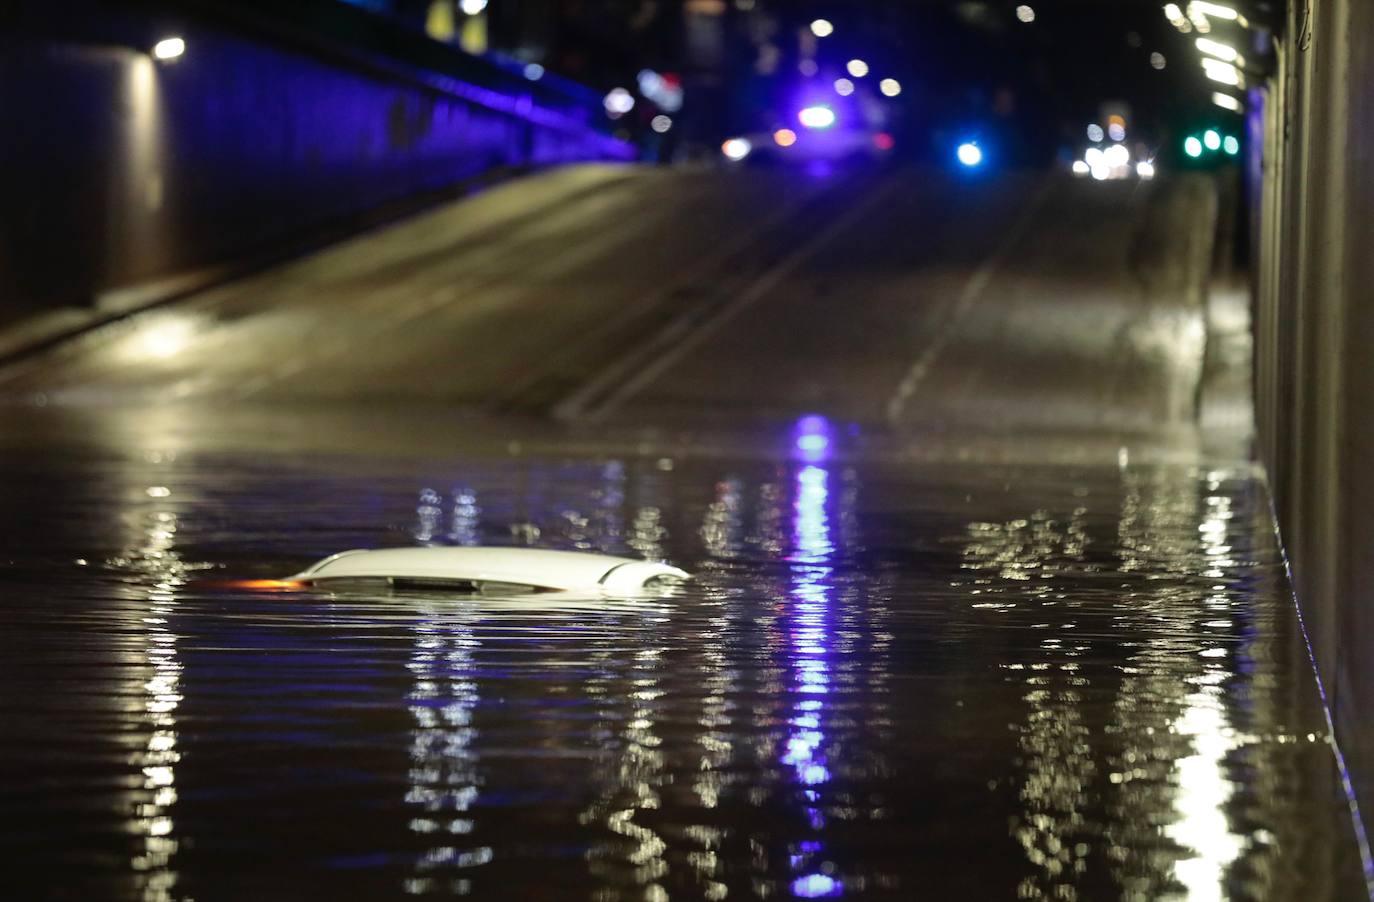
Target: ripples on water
{"points": [[938, 683]]}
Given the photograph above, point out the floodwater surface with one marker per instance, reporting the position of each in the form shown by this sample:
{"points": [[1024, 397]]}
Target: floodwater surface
{"points": [[1062, 680]]}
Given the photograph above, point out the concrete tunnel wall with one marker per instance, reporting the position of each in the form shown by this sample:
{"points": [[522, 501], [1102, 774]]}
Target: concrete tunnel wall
{"points": [[118, 169], [1314, 329]]}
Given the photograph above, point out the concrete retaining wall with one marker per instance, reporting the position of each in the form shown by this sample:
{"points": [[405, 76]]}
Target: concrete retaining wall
{"points": [[1314, 334], [117, 168]]}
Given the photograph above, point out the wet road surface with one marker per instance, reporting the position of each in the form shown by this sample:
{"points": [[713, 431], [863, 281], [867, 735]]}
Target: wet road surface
{"points": [[982, 610]]}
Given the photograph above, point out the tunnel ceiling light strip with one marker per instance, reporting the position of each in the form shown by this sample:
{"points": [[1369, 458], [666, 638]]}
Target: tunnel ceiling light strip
{"points": [[1175, 16], [1219, 50], [1225, 73], [1226, 101], [1217, 11]]}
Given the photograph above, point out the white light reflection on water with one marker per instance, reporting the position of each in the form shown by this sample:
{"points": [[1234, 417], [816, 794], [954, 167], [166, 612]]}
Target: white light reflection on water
{"points": [[635, 768], [628, 696], [809, 637], [443, 776], [155, 560], [1019, 562], [1204, 788]]}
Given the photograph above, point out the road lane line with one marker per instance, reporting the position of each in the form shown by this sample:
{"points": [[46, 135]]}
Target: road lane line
{"points": [[685, 279], [975, 286], [633, 372]]}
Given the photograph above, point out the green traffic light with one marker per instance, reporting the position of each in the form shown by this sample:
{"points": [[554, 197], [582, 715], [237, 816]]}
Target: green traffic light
{"points": [[1192, 146], [1231, 145], [1212, 139]]}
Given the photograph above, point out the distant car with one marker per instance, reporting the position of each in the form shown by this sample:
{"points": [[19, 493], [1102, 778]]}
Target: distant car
{"points": [[821, 130]]}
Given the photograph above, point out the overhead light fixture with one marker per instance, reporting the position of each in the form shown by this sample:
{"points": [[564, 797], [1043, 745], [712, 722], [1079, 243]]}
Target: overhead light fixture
{"points": [[1223, 72], [1226, 101], [1219, 50], [1217, 11], [169, 49], [1175, 15]]}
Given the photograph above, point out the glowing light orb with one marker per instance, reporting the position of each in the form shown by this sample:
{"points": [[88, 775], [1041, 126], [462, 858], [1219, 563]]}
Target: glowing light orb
{"points": [[817, 117], [169, 48], [969, 154], [736, 148]]}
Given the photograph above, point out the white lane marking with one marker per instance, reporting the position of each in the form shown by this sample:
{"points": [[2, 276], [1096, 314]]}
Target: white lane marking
{"points": [[631, 374], [921, 368]]}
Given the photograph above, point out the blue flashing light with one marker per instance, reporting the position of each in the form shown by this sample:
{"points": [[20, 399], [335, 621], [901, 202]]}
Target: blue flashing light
{"points": [[969, 154], [818, 116], [816, 886]]}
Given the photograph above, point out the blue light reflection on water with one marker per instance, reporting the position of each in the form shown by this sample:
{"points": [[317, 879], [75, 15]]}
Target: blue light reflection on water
{"points": [[809, 637]]}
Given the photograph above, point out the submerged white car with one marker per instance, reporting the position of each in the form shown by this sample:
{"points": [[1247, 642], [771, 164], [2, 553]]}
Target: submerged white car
{"points": [[499, 570]]}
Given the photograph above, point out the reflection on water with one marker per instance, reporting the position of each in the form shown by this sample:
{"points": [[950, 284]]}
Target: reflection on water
{"points": [[1035, 683], [1019, 563], [1204, 788], [1130, 749], [806, 750], [158, 572], [444, 780]]}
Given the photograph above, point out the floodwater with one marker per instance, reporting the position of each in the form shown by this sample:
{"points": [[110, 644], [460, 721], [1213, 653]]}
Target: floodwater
{"points": [[891, 678]]}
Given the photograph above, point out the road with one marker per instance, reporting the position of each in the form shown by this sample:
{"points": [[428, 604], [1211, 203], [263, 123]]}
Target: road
{"points": [[983, 607], [885, 298]]}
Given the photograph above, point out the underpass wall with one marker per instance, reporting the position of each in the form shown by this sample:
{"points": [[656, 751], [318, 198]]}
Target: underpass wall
{"points": [[1314, 334], [117, 168]]}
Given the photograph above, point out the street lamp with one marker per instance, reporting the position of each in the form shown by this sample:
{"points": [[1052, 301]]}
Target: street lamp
{"points": [[169, 49]]}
